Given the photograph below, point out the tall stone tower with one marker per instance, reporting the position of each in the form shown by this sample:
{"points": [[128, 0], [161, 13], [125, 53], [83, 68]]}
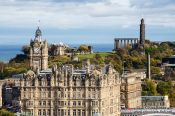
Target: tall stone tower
{"points": [[142, 32], [38, 52]]}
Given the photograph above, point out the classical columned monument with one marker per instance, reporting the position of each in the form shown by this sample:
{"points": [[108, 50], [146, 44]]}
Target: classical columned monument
{"points": [[124, 42], [133, 42]]}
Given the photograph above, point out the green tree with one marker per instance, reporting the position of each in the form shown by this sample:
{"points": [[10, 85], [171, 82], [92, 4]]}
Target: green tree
{"points": [[149, 88], [83, 48], [6, 113], [155, 70], [164, 88], [26, 49]]}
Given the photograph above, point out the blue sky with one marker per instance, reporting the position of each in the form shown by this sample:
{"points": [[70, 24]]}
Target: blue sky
{"points": [[85, 21]]}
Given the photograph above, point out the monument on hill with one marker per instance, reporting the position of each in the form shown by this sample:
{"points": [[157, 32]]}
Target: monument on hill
{"points": [[137, 43]]}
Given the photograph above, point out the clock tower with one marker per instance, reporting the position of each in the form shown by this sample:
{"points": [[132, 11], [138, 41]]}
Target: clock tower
{"points": [[38, 52]]}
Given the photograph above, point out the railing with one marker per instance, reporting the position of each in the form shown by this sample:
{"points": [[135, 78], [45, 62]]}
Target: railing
{"points": [[148, 111]]}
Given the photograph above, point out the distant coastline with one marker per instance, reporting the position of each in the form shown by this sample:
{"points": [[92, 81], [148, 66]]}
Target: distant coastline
{"points": [[9, 51]]}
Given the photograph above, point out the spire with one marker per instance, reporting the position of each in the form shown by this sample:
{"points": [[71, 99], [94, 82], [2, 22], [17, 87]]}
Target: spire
{"points": [[38, 32]]}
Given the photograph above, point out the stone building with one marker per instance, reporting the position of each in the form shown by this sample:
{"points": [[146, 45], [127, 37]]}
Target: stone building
{"points": [[130, 90], [1, 87], [60, 49], [68, 91], [155, 102]]}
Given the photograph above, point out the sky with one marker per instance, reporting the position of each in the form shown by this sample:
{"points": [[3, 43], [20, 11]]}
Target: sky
{"points": [[85, 21]]}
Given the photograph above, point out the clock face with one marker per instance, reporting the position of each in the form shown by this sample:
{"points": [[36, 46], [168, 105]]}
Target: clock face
{"points": [[36, 50]]}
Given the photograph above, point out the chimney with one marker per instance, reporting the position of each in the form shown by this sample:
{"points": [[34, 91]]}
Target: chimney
{"points": [[148, 67]]}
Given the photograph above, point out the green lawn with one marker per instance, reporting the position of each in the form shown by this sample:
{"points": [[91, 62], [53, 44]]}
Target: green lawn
{"points": [[90, 56]]}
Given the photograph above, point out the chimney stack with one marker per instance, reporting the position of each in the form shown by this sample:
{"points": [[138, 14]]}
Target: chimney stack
{"points": [[148, 67]]}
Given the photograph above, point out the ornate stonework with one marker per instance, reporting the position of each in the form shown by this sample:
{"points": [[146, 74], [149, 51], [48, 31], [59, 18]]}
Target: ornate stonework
{"points": [[38, 52], [65, 91]]}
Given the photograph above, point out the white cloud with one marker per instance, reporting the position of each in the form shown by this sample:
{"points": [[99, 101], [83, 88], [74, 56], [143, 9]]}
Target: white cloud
{"points": [[86, 13]]}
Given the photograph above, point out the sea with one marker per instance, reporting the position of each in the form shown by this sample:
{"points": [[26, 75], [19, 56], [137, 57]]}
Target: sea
{"points": [[8, 52]]}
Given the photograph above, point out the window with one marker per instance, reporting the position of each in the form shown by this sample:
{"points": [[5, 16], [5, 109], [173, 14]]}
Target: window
{"points": [[62, 112], [93, 95], [59, 112], [79, 103], [93, 103], [39, 103], [44, 94], [74, 103], [96, 103], [39, 112], [111, 102], [49, 95], [62, 103], [89, 95], [83, 103], [83, 112], [111, 110], [65, 112], [31, 103], [48, 103], [74, 112], [68, 112], [44, 112], [102, 103], [79, 112], [93, 112], [48, 112], [74, 95], [44, 103], [31, 111]]}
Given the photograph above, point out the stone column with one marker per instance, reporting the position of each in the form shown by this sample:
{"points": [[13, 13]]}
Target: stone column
{"points": [[125, 43], [128, 42], [115, 44], [118, 44], [132, 43]]}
